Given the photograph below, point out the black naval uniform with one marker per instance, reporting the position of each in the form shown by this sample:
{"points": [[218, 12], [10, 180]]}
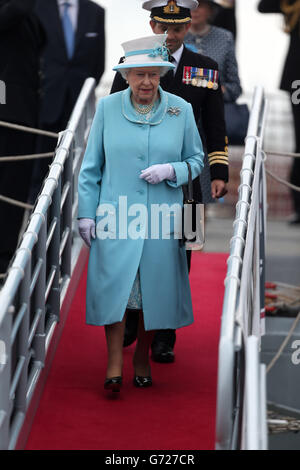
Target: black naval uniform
{"points": [[208, 108]]}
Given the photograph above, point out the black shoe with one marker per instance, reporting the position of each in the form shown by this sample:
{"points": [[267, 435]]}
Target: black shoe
{"points": [[131, 328], [162, 352], [114, 384], [142, 382]]}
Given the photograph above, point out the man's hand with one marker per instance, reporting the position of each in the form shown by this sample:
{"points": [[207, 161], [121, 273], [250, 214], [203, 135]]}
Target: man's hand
{"points": [[218, 188]]}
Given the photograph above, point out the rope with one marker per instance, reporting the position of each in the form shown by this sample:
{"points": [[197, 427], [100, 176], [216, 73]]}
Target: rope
{"points": [[280, 180], [14, 202], [283, 154], [278, 423], [28, 129], [280, 350], [26, 157], [288, 286]]}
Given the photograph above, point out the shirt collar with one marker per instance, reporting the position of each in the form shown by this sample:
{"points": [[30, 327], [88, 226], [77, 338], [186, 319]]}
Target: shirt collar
{"points": [[73, 3], [177, 54]]}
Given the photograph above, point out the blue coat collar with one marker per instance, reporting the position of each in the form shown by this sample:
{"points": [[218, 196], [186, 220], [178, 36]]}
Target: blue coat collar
{"points": [[130, 113]]}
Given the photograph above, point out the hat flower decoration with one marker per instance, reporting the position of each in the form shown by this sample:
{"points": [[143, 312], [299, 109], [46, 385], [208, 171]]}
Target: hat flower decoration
{"points": [[162, 51]]}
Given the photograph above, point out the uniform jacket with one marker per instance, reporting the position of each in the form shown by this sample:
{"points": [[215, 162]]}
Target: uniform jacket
{"points": [[291, 69], [120, 145], [218, 44], [21, 41], [62, 76], [208, 107]]}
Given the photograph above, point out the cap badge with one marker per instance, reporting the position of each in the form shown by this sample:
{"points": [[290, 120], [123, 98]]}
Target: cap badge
{"points": [[172, 8]]}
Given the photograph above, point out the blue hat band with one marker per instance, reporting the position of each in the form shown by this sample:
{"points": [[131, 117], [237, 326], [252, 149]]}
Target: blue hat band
{"points": [[161, 51]]}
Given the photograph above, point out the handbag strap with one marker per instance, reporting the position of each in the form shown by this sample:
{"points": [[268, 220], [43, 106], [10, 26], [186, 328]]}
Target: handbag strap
{"points": [[188, 189]]}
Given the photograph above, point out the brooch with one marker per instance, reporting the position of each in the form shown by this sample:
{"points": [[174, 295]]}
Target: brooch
{"points": [[174, 111]]}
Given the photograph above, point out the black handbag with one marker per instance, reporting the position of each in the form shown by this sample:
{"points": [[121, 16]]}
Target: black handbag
{"points": [[192, 217], [236, 119]]}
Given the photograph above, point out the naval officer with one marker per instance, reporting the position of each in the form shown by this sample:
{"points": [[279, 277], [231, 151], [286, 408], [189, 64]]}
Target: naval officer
{"points": [[196, 79]]}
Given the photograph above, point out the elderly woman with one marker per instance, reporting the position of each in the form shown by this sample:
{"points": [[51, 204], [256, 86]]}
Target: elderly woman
{"points": [[135, 162]]}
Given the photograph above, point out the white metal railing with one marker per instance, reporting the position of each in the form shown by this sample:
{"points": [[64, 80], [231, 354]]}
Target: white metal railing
{"points": [[39, 275], [241, 409]]}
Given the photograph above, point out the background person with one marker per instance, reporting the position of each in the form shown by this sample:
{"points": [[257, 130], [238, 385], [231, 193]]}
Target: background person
{"points": [[174, 18], [226, 16], [147, 164], [216, 43], [21, 41], [75, 50], [291, 72]]}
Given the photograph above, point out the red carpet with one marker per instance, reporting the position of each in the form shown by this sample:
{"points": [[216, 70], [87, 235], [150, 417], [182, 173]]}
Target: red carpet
{"points": [[177, 413]]}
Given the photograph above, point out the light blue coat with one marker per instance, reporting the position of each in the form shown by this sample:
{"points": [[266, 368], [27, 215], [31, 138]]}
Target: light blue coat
{"points": [[120, 145]]}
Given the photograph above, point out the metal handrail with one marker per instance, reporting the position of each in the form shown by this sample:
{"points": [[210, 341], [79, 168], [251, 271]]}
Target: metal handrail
{"points": [[233, 362], [39, 274]]}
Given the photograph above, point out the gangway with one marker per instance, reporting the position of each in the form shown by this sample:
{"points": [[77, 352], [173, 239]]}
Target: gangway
{"points": [[44, 273]]}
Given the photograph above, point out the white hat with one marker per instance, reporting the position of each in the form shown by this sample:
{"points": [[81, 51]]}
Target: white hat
{"points": [[145, 52]]}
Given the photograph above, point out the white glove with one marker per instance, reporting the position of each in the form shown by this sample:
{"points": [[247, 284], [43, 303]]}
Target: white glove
{"points": [[87, 229], [155, 174]]}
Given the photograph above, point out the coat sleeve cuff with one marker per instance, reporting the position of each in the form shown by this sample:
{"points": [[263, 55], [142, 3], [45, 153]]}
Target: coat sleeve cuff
{"points": [[181, 175]]}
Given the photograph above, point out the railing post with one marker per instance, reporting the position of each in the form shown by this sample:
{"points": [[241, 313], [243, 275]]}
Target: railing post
{"points": [[53, 261], [5, 378], [262, 242], [19, 383], [22, 343], [67, 218], [252, 391], [39, 297]]}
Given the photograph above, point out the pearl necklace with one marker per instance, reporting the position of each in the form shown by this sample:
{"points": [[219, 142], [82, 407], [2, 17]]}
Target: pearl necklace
{"points": [[143, 108]]}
